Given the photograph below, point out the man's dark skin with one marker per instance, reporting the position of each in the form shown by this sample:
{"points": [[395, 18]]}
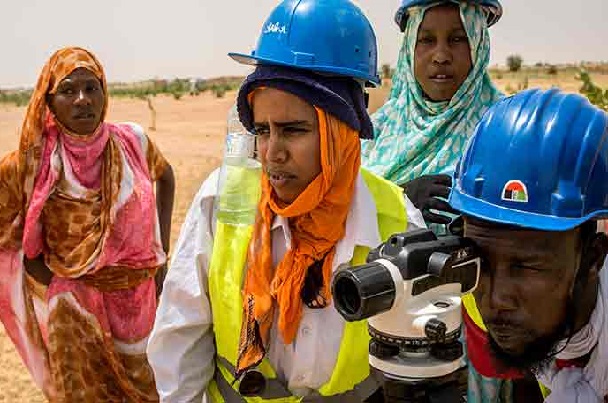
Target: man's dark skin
{"points": [[78, 104], [528, 285]]}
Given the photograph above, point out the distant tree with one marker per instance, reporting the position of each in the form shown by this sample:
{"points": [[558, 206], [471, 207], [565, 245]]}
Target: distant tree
{"points": [[220, 90], [160, 86], [596, 95], [200, 86], [387, 72], [552, 70], [514, 62]]}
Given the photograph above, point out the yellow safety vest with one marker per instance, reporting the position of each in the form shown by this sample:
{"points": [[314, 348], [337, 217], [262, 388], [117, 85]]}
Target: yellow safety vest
{"points": [[350, 380]]}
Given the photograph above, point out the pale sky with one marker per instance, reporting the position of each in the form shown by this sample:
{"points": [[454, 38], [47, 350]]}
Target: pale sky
{"points": [[141, 39]]}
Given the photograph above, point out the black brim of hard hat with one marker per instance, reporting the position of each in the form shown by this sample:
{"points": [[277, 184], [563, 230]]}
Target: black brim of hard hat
{"points": [[243, 58], [470, 206], [254, 61], [401, 17]]}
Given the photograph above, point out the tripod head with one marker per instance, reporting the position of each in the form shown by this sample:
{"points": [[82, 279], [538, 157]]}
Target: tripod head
{"points": [[410, 291]]}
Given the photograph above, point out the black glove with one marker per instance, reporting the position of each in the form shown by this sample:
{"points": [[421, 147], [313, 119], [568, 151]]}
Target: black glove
{"points": [[456, 227], [425, 191]]}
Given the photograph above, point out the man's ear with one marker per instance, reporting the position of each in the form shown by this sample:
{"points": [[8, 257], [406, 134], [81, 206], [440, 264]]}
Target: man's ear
{"points": [[584, 292], [593, 254], [598, 249]]}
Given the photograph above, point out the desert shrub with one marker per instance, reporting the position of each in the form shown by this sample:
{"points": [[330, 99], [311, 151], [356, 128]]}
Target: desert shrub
{"points": [[220, 90], [515, 62], [17, 98], [596, 95], [387, 72], [552, 70]]}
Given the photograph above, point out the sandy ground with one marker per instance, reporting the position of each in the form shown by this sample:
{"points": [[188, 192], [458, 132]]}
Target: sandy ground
{"points": [[190, 134]]}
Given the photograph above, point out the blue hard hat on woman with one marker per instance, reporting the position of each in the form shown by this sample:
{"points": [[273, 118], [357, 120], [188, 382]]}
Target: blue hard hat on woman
{"points": [[492, 8], [325, 36], [327, 45]]}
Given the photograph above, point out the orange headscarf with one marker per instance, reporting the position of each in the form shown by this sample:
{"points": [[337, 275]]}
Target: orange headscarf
{"points": [[317, 219], [61, 64]]}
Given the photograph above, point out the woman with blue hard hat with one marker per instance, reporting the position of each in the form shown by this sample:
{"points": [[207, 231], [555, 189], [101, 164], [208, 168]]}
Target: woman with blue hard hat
{"points": [[246, 315], [440, 90]]}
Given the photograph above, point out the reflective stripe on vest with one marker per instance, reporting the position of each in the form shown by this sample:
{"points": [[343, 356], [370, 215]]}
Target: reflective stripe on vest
{"points": [[468, 301], [350, 380]]}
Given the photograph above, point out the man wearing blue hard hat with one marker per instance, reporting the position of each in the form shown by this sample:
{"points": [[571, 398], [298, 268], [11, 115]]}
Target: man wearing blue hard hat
{"points": [[246, 313], [531, 186]]}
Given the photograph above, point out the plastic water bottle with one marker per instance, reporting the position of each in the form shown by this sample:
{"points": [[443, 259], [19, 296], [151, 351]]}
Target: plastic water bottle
{"points": [[239, 186]]}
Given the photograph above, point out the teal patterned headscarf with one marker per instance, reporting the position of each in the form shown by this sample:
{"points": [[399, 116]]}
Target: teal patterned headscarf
{"points": [[415, 136]]}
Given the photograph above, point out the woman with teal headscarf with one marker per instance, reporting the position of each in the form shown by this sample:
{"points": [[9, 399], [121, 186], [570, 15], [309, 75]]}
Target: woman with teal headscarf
{"points": [[441, 88]]}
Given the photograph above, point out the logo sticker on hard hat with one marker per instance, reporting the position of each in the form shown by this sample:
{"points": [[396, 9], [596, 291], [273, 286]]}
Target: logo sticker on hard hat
{"points": [[275, 28], [515, 191]]}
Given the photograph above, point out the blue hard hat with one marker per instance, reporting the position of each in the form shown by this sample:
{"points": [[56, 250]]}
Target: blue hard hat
{"points": [[538, 159], [493, 9], [325, 36]]}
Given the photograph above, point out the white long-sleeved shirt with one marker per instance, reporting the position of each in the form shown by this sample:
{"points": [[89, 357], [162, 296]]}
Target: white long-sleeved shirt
{"points": [[181, 347]]}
